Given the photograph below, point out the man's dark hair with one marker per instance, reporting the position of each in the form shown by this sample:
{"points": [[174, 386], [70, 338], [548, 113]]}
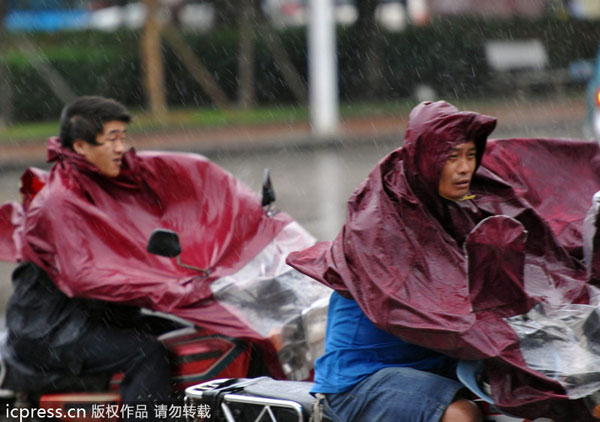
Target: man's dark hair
{"points": [[85, 117]]}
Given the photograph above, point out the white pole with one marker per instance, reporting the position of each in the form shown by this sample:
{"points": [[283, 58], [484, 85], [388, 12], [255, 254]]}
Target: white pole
{"points": [[322, 68], [329, 166]]}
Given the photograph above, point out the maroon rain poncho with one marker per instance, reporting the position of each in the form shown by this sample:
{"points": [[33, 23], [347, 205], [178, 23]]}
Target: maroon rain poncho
{"points": [[445, 274], [89, 232]]}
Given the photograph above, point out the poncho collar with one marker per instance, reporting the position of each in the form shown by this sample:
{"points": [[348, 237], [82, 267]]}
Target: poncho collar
{"points": [[129, 177]]}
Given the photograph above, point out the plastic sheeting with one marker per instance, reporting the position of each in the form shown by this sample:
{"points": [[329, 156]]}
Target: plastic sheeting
{"points": [[563, 343], [447, 275], [275, 300]]}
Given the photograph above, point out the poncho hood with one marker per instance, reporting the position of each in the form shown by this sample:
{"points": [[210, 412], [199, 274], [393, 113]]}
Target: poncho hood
{"points": [[434, 129]]}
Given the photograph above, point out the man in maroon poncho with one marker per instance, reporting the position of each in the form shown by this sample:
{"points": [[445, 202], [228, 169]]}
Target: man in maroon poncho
{"points": [[437, 251], [54, 335], [82, 231]]}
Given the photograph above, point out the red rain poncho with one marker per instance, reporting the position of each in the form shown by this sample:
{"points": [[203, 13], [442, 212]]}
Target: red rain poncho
{"points": [[445, 274], [89, 232]]}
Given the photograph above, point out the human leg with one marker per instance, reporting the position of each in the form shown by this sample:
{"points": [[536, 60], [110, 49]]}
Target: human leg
{"points": [[462, 410], [395, 394], [140, 356]]}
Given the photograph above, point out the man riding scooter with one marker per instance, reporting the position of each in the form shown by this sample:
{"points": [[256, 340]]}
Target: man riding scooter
{"points": [[437, 253], [82, 233], [368, 374], [58, 335]]}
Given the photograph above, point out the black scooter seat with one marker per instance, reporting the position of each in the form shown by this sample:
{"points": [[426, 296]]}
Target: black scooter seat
{"points": [[297, 391]]}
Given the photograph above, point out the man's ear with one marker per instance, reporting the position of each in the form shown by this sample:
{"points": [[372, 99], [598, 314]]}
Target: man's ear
{"points": [[79, 146]]}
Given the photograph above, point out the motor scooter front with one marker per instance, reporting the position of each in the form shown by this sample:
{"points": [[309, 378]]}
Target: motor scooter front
{"points": [[282, 305]]}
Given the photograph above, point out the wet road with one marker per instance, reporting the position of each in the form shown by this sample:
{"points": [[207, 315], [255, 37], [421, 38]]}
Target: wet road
{"points": [[311, 183]]}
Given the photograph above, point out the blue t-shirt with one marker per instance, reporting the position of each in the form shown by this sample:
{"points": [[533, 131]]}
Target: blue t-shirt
{"points": [[355, 348]]}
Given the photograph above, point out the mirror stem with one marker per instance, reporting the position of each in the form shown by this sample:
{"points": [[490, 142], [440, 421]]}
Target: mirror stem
{"points": [[204, 272]]}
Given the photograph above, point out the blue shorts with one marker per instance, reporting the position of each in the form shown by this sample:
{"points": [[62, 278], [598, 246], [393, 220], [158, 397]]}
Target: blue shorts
{"points": [[394, 394]]}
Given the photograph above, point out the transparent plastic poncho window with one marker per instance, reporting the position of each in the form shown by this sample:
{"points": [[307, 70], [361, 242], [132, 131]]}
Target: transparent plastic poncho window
{"points": [[563, 343], [279, 302]]}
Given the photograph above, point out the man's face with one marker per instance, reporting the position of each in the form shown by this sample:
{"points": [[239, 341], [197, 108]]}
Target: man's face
{"points": [[108, 155], [457, 172]]}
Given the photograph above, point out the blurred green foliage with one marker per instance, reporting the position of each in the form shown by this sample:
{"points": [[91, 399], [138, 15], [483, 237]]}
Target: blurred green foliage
{"points": [[181, 119], [448, 55]]}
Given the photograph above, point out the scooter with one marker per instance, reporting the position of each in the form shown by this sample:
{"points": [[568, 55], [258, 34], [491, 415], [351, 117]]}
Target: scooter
{"points": [[286, 307], [267, 400]]}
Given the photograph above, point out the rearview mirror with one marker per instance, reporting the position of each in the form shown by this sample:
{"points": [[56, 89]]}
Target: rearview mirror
{"points": [[164, 242], [268, 193]]}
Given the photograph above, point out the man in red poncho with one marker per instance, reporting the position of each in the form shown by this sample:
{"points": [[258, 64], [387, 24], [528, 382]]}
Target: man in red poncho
{"points": [[82, 231], [369, 374], [51, 333], [436, 254], [83, 227]]}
